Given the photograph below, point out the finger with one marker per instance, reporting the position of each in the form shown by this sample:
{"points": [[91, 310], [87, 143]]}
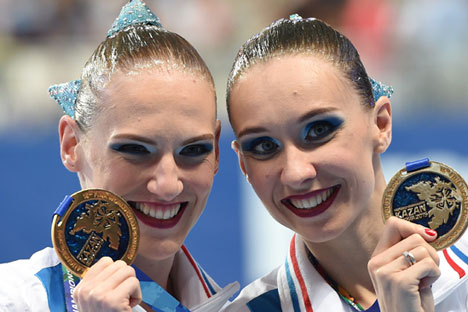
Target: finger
{"points": [[392, 269], [129, 288], [119, 276], [424, 269], [98, 267], [397, 229], [414, 244], [119, 292], [426, 251], [427, 300], [105, 273], [99, 279]]}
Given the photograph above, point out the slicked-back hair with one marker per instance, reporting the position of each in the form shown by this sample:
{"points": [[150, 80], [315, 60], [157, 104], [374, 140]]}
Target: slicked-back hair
{"points": [[297, 36], [130, 50]]}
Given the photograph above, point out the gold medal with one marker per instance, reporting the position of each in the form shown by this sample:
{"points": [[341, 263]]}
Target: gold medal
{"points": [[431, 194], [91, 224]]}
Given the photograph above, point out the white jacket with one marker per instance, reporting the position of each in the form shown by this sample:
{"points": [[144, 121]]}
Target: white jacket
{"points": [[296, 285], [36, 284]]}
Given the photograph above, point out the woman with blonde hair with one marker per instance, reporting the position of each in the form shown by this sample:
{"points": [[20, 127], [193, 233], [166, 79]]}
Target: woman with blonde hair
{"points": [[141, 123]]}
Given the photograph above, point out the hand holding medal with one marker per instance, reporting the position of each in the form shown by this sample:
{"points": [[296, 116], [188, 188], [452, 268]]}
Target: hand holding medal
{"points": [[404, 265]]}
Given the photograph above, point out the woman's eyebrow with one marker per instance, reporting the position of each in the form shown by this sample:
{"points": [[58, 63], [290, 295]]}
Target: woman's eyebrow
{"points": [[251, 131], [134, 137], [315, 112], [202, 137]]}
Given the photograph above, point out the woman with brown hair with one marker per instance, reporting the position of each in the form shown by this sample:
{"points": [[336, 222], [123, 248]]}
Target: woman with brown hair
{"points": [[310, 126]]}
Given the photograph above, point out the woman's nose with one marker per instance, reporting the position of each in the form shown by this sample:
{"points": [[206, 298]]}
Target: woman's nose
{"points": [[298, 168], [165, 180]]}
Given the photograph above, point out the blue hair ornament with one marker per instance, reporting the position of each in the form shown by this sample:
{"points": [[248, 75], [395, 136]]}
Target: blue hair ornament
{"points": [[379, 89], [65, 95], [133, 13]]}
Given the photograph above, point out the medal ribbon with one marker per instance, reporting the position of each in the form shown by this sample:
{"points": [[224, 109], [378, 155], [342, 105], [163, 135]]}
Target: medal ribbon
{"points": [[70, 281], [157, 297]]}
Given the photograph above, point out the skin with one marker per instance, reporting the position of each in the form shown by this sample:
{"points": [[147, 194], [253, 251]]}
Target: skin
{"points": [[339, 159], [148, 145]]}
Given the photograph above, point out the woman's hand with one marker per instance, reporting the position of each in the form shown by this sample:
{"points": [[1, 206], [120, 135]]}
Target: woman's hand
{"points": [[400, 285], [108, 286]]}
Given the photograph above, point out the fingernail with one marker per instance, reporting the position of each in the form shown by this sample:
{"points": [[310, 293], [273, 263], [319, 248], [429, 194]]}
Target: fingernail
{"points": [[430, 232]]}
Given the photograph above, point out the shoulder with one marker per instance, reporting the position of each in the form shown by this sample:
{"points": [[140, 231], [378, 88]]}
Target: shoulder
{"points": [[20, 287], [260, 295]]}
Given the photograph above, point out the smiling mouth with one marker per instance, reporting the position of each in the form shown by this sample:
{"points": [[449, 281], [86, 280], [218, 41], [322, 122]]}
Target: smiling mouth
{"points": [[311, 204], [160, 213], [160, 216]]}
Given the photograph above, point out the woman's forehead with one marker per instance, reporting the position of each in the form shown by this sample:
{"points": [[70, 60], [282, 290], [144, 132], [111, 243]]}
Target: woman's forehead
{"points": [[291, 74], [170, 94]]}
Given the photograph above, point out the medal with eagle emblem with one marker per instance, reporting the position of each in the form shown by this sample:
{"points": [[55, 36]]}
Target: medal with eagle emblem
{"points": [[431, 194], [91, 224]]}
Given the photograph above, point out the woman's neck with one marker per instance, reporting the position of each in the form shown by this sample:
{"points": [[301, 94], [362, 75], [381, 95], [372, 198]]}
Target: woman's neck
{"points": [[345, 258], [345, 262], [158, 270]]}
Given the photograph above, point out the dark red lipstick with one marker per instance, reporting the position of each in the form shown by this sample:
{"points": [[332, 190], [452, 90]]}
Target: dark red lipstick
{"points": [[311, 212]]}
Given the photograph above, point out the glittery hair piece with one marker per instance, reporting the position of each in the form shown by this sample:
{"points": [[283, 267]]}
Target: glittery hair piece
{"points": [[65, 95], [133, 13], [379, 89]]}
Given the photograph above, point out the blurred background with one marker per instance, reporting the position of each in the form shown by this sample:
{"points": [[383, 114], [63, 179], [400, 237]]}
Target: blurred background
{"points": [[417, 46]]}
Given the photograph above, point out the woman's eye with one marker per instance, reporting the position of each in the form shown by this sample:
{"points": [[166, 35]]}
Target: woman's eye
{"points": [[320, 130], [196, 150], [263, 146], [132, 149]]}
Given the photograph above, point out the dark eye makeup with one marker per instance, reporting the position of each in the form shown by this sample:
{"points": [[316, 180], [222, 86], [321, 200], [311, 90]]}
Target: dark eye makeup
{"points": [[321, 130], [195, 150], [131, 148], [262, 147]]}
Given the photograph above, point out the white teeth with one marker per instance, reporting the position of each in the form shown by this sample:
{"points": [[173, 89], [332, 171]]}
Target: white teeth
{"points": [[319, 199], [158, 212], [313, 201]]}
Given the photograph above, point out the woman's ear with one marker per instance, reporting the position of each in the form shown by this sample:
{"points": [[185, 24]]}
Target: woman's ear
{"points": [[217, 134], [383, 122], [69, 140], [235, 146]]}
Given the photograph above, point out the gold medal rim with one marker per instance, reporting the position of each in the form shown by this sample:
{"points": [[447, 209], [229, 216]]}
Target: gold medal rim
{"points": [[451, 174], [58, 228]]}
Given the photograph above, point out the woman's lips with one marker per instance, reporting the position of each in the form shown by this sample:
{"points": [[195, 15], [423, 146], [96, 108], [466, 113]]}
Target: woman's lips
{"points": [[313, 203], [158, 215]]}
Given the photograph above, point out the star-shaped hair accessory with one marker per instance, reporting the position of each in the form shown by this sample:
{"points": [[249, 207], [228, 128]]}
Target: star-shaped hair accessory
{"points": [[65, 95], [379, 89]]}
